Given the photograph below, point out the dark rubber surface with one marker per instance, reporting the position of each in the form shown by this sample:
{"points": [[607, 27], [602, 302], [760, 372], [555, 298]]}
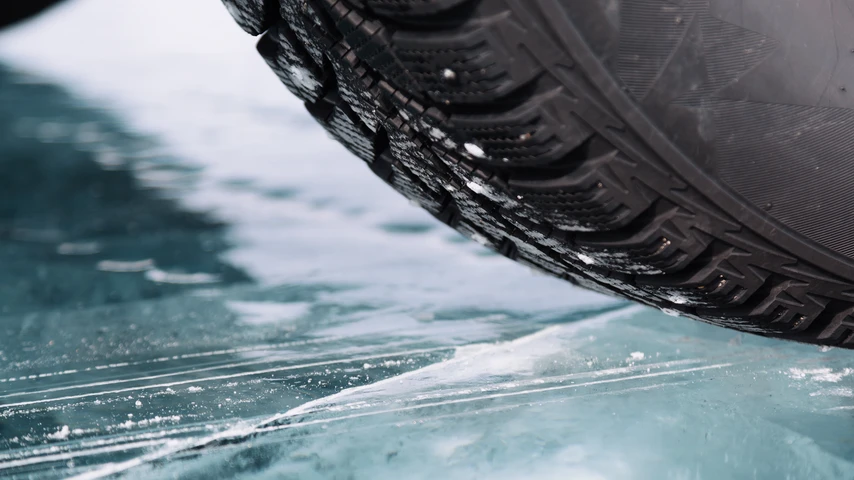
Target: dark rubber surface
{"points": [[693, 155], [13, 11]]}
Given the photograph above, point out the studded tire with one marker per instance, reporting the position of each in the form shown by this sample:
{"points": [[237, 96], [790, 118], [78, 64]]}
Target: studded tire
{"points": [[630, 148]]}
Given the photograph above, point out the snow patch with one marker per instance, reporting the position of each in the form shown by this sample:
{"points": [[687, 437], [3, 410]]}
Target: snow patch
{"points": [[118, 266], [160, 276], [60, 434], [476, 187], [833, 392], [470, 365], [82, 248], [677, 299], [586, 259], [436, 134], [268, 313], [302, 77], [474, 150], [480, 239], [819, 374], [446, 447]]}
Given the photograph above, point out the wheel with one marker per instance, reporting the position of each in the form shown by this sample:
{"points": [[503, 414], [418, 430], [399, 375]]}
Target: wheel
{"points": [[694, 156]]}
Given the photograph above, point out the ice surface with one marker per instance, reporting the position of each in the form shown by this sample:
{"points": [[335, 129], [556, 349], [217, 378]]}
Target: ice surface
{"points": [[196, 283]]}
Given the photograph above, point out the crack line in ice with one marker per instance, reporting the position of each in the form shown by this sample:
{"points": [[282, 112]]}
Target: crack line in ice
{"points": [[261, 430], [152, 377], [479, 410], [86, 445], [246, 430], [233, 375], [253, 348], [77, 454], [139, 379], [488, 397], [598, 320], [148, 377], [521, 383]]}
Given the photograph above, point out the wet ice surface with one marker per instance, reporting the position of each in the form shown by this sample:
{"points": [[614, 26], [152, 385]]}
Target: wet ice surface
{"points": [[196, 283]]}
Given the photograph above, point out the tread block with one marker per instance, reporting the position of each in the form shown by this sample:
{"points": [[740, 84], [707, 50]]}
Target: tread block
{"points": [[344, 126], [664, 241], [311, 26], [253, 16], [410, 186], [411, 9], [292, 64], [457, 68], [594, 193], [357, 85], [524, 135]]}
